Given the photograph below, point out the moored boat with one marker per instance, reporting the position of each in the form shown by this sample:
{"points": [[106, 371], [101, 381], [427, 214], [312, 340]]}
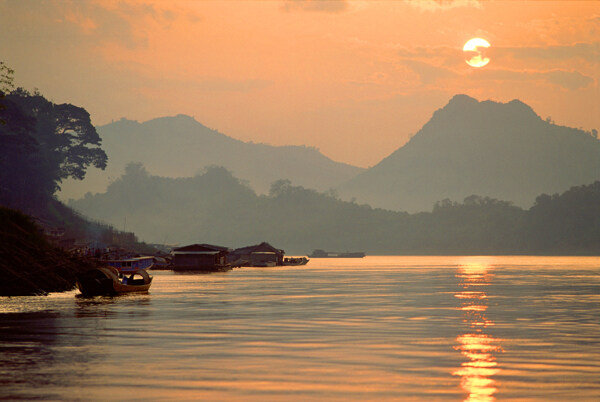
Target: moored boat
{"points": [[295, 261], [107, 281]]}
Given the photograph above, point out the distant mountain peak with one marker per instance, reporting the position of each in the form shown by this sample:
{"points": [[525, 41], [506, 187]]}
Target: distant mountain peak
{"points": [[178, 117], [488, 148], [517, 105], [180, 146], [182, 120], [462, 99], [466, 103]]}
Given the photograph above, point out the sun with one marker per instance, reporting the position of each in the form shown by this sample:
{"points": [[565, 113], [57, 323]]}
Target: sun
{"points": [[474, 49]]}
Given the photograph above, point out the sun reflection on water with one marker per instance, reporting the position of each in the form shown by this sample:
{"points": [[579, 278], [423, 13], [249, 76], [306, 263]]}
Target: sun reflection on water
{"points": [[476, 345]]}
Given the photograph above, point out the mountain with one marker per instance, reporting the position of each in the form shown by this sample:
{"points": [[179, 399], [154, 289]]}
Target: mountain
{"points": [[217, 208], [500, 150], [179, 146]]}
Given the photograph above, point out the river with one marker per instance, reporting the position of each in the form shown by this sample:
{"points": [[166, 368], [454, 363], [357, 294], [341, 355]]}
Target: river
{"points": [[376, 328]]}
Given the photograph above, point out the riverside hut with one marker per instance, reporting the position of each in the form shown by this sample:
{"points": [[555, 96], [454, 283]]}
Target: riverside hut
{"points": [[200, 257], [259, 255]]}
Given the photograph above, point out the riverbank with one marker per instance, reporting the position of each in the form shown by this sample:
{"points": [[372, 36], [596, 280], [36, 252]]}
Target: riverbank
{"points": [[29, 263]]}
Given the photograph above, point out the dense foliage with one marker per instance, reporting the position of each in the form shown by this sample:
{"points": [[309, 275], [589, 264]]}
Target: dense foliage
{"points": [[6, 84], [216, 207], [41, 144], [29, 264]]}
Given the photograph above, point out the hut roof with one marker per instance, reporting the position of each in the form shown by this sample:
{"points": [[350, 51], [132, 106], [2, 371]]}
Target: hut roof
{"points": [[202, 247], [262, 247]]}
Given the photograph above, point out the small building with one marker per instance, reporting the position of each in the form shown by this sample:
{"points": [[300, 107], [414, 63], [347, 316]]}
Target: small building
{"points": [[260, 255], [200, 257]]}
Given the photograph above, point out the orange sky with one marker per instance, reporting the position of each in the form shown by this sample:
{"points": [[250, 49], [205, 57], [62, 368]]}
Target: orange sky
{"points": [[355, 79]]}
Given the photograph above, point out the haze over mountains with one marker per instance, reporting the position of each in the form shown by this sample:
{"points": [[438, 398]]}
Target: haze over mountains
{"points": [[179, 146], [491, 155], [216, 208], [499, 150]]}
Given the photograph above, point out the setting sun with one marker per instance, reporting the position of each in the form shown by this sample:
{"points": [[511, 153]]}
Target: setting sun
{"points": [[473, 50]]}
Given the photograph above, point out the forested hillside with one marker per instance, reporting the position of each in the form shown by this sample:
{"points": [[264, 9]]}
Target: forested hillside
{"points": [[29, 264], [215, 207], [179, 146], [41, 145]]}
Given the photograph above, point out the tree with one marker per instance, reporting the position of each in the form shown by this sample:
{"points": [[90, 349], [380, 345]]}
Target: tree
{"points": [[6, 84], [48, 143], [280, 187], [6, 78], [65, 133]]}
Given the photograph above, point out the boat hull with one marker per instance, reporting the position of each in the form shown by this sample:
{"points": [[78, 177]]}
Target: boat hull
{"points": [[291, 261], [105, 281]]}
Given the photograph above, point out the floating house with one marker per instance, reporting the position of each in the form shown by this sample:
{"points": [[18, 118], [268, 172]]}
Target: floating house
{"points": [[201, 257], [259, 255]]}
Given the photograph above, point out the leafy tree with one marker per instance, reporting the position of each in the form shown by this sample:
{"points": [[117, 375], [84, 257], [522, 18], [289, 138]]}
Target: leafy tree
{"points": [[6, 79], [41, 144], [20, 157], [65, 132], [280, 187], [566, 223]]}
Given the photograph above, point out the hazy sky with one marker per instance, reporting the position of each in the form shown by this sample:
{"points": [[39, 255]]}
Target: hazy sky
{"points": [[355, 79]]}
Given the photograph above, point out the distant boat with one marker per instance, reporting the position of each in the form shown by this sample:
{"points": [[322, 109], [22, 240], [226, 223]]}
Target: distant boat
{"points": [[131, 265], [329, 254], [295, 261], [107, 281]]}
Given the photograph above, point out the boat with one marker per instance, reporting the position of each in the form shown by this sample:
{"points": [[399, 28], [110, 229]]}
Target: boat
{"points": [[295, 261], [107, 281], [131, 265], [329, 254]]}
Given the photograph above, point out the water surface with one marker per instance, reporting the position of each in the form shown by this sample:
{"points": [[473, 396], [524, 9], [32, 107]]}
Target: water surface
{"points": [[377, 328]]}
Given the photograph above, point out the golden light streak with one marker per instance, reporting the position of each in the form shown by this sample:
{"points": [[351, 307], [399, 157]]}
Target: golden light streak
{"points": [[477, 346]]}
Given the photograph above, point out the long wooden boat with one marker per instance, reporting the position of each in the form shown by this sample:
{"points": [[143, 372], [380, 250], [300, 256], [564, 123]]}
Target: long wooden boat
{"points": [[295, 261], [131, 265], [108, 281]]}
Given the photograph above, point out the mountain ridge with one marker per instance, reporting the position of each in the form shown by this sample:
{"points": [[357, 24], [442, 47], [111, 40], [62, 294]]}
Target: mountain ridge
{"points": [[217, 208], [180, 146], [501, 150]]}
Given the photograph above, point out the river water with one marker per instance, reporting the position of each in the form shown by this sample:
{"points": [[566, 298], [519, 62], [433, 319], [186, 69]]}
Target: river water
{"points": [[377, 328]]}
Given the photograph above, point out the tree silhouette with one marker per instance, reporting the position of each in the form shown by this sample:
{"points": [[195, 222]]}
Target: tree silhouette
{"points": [[41, 144], [6, 84]]}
